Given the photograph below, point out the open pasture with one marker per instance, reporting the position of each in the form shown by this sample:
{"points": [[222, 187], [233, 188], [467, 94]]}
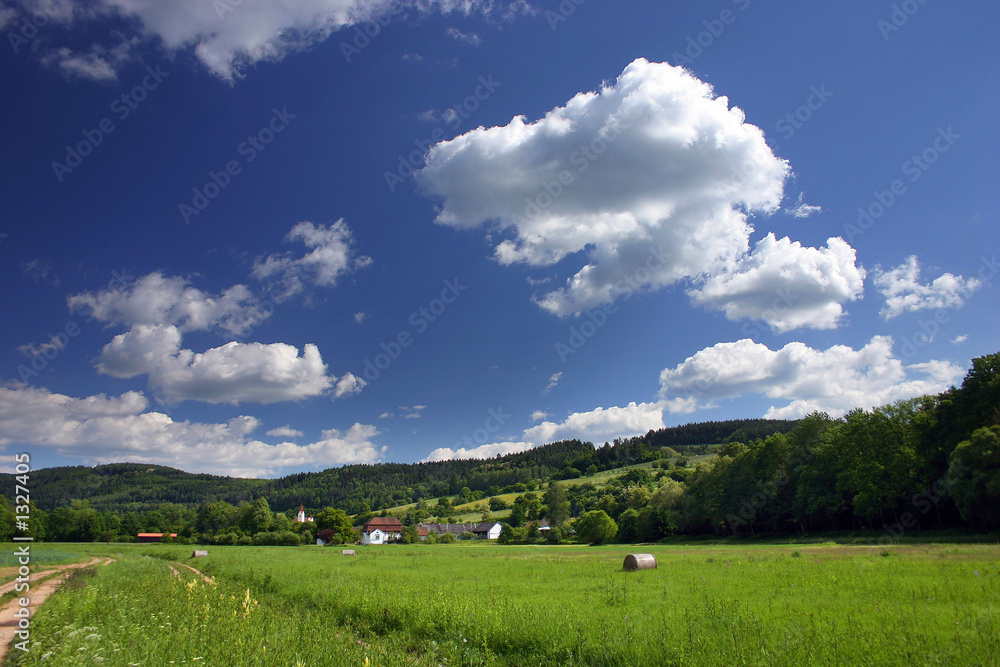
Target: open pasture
{"points": [[484, 604]]}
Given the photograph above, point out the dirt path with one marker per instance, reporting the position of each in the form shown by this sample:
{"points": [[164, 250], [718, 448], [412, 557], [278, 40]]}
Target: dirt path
{"points": [[208, 579], [38, 594]]}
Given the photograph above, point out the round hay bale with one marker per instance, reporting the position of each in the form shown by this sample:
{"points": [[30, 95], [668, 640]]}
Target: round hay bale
{"points": [[635, 562]]}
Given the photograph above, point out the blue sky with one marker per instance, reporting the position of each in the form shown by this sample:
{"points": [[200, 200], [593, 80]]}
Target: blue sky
{"points": [[251, 240]]}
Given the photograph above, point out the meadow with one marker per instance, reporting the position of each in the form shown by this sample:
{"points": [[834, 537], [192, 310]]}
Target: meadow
{"points": [[484, 604]]}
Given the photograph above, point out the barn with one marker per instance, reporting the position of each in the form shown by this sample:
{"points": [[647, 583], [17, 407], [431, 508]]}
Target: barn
{"points": [[147, 538], [489, 530]]}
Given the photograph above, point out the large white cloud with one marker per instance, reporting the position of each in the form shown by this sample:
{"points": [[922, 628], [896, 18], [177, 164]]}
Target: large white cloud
{"points": [[651, 178], [598, 425], [802, 379], [158, 299], [233, 373], [101, 429], [481, 452], [226, 35], [904, 292], [330, 255], [787, 285]]}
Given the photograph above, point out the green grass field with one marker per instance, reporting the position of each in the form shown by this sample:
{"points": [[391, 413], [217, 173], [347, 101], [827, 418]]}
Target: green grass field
{"points": [[485, 604]]}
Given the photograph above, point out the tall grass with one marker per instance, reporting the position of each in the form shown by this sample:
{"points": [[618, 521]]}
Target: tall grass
{"points": [[480, 604], [137, 611]]}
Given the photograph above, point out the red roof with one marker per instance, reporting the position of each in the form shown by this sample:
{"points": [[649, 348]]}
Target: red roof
{"points": [[388, 524], [154, 535]]}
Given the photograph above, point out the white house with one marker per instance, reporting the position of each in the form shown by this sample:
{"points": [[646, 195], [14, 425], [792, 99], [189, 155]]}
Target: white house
{"points": [[376, 536], [381, 530]]}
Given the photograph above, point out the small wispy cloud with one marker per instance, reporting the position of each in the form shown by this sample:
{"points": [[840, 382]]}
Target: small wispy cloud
{"points": [[40, 271], [285, 431], [470, 38], [539, 415], [553, 382], [802, 209], [413, 411]]}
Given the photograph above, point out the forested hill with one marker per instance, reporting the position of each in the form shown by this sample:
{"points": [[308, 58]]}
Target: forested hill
{"points": [[131, 487]]}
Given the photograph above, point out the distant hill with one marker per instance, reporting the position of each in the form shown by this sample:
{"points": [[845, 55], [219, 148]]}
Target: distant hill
{"points": [[134, 487]]}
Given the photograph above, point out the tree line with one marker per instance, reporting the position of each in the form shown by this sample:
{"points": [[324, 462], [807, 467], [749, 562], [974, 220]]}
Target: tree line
{"points": [[124, 488], [927, 462]]}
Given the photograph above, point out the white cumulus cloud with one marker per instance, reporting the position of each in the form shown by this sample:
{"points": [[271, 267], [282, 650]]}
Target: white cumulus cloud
{"points": [[285, 431], [652, 160], [801, 379], [102, 429], [598, 425], [157, 299], [904, 292], [227, 36], [481, 452], [233, 373], [330, 255], [787, 285]]}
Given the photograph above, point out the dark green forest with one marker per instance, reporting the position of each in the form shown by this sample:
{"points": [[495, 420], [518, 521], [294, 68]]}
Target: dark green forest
{"points": [[927, 462], [136, 487]]}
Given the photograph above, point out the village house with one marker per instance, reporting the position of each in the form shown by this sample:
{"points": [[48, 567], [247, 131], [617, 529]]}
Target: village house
{"points": [[381, 530]]}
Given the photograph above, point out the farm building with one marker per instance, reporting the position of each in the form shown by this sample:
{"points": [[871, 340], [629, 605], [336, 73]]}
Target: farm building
{"points": [[487, 530], [381, 530], [542, 525], [147, 538]]}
